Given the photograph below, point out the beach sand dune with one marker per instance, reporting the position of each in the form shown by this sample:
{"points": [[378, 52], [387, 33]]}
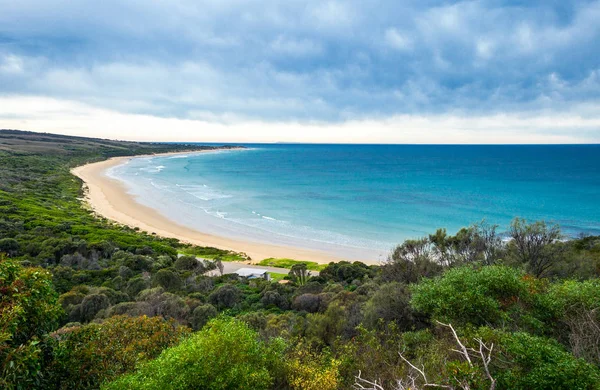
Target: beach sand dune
{"points": [[108, 197]]}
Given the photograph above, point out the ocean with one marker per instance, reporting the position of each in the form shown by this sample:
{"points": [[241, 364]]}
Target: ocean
{"points": [[360, 201]]}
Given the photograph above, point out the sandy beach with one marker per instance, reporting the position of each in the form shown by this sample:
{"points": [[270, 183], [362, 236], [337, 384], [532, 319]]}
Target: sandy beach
{"points": [[109, 198]]}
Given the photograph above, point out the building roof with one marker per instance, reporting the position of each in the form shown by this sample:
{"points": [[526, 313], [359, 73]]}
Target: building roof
{"points": [[250, 271]]}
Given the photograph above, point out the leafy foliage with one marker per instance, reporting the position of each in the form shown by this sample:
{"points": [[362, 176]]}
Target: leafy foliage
{"points": [[128, 298], [28, 310], [226, 354], [86, 356], [464, 295]]}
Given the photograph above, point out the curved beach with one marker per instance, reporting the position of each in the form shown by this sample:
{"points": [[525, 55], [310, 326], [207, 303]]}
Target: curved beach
{"points": [[108, 197]]}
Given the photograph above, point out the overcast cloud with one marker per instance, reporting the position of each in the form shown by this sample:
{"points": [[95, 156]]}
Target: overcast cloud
{"points": [[318, 64]]}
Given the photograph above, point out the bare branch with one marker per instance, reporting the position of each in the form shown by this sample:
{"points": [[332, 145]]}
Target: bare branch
{"points": [[463, 349], [410, 383]]}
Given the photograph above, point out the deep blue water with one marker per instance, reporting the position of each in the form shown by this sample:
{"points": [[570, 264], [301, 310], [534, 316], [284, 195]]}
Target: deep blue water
{"points": [[361, 200]]}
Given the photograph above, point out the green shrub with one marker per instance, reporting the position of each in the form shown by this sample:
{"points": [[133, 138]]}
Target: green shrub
{"points": [[168, 280], [201, 315], [86, 356], [391, 303], [186, 263], [473, 296], [346, 272], [91, 305], [135, 286], [70, 298], [226, 354], [29, 309], [531, 362], [225, 296]]}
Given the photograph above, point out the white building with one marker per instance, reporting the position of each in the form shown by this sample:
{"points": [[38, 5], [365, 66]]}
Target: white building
{"points": [[253, 273]]}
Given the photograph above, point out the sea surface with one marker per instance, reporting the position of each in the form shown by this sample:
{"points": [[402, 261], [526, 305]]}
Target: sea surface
{"points": [[360, 201]]}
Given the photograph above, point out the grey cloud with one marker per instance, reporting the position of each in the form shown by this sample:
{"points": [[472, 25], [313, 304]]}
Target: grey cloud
{"points": [[303, 60]]}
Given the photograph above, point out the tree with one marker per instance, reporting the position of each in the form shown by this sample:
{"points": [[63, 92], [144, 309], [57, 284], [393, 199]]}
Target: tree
{"points": [[490, 241], [410, 262], [299, 274], [533, 243], [441, 247], [220, 266]]}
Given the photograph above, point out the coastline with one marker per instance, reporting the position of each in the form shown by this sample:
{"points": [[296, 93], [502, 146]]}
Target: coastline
{"points": [[108, 198]]}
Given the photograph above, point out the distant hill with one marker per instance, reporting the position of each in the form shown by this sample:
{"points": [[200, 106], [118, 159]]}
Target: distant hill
{"points": [[28, 142]]}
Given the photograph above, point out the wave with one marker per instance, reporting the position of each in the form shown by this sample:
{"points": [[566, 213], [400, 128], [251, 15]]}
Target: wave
{"points": [[153, 169], [203, 192]]}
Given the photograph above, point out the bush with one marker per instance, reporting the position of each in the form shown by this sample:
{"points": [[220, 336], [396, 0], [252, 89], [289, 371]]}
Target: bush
{"points": [[575, 306], [473, 296], [225, 296], [273, 298], [391, 303], [86, 356], [186, 263], [135, 286], [346, 272], [201, 315], [91, 305], [29, 309], [168, 280], [539, 363], [164, 303], [28, 303], [410, 262], [70, 298], [226, 354], [10, 246], [310, 303], [138, 263], [308, 370], [133, 309]]}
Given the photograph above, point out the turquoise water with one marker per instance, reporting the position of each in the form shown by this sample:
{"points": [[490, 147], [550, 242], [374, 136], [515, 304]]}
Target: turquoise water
{"points": [[359, 201]]}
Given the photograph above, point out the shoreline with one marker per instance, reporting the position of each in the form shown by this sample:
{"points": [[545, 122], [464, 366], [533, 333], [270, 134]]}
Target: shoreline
{"points": [[108, 198]]}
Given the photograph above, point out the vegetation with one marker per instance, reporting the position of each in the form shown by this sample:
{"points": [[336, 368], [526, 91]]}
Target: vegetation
{"points": [[226, 354], [289, 263], [85, 303]]}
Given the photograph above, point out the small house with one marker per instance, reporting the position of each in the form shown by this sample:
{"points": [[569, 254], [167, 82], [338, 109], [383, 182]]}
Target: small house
{"points": [[253, 273]]}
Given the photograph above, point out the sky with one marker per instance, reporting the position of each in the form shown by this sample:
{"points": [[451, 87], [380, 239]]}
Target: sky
{"points": [[378, 71]]}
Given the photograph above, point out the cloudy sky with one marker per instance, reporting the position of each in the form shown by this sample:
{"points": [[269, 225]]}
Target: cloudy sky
{"points": [[413, 71]]}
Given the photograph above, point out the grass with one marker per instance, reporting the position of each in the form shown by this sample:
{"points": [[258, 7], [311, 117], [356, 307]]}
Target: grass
{"points": [[275, 277], [212, 253], [289, 263]]}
